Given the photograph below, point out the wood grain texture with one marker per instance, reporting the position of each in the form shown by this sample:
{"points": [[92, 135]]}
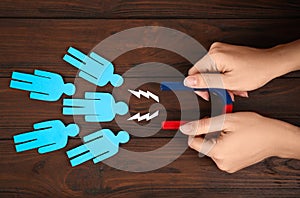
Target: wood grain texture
{"points": [[34, 175], [28, 44], [150, 9], [36, 34]]}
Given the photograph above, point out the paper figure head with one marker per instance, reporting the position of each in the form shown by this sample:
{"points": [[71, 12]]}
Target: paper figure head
{"points": [[121, 108], [72, 130]]}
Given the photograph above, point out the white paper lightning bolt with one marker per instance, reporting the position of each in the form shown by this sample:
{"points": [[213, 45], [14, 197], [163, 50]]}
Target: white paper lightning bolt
{"points": [[144, 117], [147, 94]]}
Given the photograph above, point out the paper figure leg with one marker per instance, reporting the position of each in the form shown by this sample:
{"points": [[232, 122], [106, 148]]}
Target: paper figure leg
{"points": [[76, 102], [78, 54], [88, 77], [27, 146], [78, 107], [25, 137], [21, 85], [48, 148], [72, 61], [102, 157], [40, 96], [77, 151], [82, 158], [23, 77]]}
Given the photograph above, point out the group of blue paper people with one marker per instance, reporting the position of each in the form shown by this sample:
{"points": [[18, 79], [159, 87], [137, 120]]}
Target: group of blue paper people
{"points": [[96, 107]]}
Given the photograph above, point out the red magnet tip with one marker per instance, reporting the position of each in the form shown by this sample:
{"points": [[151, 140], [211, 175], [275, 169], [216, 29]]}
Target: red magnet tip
{"points": [[228, 108], [172, 125]]}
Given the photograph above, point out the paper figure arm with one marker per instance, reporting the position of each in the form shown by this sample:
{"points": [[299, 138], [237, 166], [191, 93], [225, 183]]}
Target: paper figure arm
{"points": [[40, 96], [102, 157], [77, 151], [97, 95], [88, 77], [98, 134], [43, 125], [45, 74], [100, 59], [97, 118], [49, 148]]}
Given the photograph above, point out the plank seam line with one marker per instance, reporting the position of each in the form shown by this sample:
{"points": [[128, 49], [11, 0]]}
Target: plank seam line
{"points": [[151, 18]]}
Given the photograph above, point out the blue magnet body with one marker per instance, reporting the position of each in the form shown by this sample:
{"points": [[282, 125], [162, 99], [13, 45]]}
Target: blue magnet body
{"points": [[179, 86]]}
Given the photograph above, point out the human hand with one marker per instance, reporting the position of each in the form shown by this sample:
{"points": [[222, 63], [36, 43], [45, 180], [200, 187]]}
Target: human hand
{"points": [[242, 68], [245, 139]]}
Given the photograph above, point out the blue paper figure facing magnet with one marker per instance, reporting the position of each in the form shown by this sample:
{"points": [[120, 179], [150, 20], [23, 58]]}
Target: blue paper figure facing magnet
{"points": [[97, 107], [93, 68], [98, 146], [48, 136], [42, 85]]}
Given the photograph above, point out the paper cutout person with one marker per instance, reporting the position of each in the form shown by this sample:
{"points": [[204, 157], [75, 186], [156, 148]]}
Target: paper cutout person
{"points": [[97, 107], [47, 136], [94, 68], [98, 146], [42, 85]]}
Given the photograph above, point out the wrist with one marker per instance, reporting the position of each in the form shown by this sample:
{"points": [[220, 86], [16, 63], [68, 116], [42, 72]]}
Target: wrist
{"points": [[289, 146], [284, 58]]}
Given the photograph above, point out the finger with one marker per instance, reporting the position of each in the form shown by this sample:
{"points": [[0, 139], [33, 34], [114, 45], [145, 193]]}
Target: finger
{"points": [[203, 94], [195, 142], [241, 93], [205, 80], [238, 93], [201, 145], [231, 95], [205, 64], [206, 125]]}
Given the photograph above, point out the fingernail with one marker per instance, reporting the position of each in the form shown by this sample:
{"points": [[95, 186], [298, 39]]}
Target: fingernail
{"points": [[190, 81], [246, 95], [205, 97], [187, 128]]}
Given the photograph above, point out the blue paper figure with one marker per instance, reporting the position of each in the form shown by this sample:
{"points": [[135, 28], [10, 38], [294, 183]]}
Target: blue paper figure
{"points": [[97, 107], [98, 146], [94, 68], [48, 136], [42, 85]]}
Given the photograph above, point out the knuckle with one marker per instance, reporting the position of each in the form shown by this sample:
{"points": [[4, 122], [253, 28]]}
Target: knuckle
{"points": [[190, 142], [216, 45], [221, 162], [224, 167]]}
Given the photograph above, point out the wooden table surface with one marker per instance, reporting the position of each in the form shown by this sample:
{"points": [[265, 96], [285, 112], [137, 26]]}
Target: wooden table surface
{"points": [[35, 35]]}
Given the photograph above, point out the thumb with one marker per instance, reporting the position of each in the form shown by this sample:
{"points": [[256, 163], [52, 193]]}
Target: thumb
{"points": [[206, 80]]}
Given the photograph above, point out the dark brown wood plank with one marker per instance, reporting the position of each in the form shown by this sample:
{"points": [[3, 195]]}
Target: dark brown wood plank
{"points": [[150, 9], [40, 44], [51, 175], [278, 99]]}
